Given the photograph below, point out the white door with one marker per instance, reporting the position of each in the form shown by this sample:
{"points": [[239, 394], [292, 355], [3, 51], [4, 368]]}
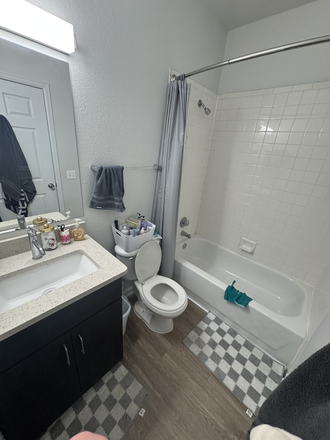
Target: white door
{"points": [[24, 107]]}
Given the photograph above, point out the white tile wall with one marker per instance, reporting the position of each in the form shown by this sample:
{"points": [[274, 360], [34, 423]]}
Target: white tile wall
{"points": [[267, 177], [197, 147]]}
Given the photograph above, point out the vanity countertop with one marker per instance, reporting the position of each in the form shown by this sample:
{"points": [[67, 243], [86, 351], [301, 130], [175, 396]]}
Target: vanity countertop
{"points": [[110, 269]]}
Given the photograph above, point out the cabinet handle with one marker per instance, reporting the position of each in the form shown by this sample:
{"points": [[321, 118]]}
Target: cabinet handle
{"points": [[67, 355], [82, 345]]}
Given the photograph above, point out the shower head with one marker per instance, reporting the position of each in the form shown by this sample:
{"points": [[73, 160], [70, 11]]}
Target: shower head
{"points": [[207, 111]]}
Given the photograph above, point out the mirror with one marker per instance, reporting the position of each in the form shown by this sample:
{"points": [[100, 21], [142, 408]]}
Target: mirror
{"points": [[36, 98], [10, 227]]}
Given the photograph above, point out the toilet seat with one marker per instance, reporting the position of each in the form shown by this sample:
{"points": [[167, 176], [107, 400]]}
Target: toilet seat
{"points": [[147, 264], [159, 307]]}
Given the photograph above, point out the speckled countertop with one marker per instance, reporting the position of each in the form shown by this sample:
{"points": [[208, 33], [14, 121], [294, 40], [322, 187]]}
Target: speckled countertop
{"points": [[110, 269]]}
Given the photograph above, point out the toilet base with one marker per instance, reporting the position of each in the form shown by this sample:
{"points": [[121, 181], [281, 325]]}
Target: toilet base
{"points": [[156, 323]]}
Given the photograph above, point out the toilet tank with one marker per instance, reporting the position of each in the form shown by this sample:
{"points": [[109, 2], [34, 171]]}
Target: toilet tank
{"points": [[127, 258]]}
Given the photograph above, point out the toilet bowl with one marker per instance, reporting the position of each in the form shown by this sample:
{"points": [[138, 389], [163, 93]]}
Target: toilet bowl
{"points": [[159, 299]]}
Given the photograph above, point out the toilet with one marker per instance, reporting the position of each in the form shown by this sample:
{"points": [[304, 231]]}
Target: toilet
{"points": [[159, 299]]}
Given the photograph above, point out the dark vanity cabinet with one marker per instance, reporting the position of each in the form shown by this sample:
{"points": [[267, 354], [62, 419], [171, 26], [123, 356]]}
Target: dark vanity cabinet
{"points": [[46, 367], [37, 390], [95, 353]]}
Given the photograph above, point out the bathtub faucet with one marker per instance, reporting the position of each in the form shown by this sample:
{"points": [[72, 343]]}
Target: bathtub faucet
{"points": [[185, 234]]}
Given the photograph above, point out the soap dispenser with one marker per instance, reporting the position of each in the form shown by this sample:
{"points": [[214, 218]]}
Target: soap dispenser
{"points": [[78, 233]]}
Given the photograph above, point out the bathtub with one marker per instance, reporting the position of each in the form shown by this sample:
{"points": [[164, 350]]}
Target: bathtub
{"points": [[277, 318]]}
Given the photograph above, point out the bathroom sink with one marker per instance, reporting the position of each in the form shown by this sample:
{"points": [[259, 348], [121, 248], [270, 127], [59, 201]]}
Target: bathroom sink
{"points": [[23, 286]]}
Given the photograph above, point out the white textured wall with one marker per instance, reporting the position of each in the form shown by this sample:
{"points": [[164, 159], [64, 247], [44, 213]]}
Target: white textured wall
{"points": [[268, 178], [197, 146], [119, 75], [299, 66]]}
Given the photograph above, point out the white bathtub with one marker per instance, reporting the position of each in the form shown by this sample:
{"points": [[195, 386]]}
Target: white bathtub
{"points": [[277, 318]]}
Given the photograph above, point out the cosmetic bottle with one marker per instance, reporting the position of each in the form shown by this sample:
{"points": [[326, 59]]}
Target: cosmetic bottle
{"points": [[65, 235], [125, 230]]}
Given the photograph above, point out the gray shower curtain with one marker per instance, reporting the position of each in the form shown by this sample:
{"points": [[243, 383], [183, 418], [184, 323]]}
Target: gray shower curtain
{"points": [[167, 192]]}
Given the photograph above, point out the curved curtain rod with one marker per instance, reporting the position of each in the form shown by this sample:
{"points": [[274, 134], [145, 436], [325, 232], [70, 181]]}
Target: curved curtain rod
{"points": [[261, 53]]}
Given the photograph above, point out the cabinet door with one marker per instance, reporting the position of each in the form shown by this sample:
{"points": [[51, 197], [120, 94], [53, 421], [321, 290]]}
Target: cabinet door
{"points": [[98, 344], [37, 390]]}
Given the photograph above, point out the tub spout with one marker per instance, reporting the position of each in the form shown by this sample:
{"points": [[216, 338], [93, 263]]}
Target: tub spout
{"points": [[185, 234]]}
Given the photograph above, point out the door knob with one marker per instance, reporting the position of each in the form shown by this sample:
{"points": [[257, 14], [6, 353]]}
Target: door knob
{"points": [[51, 186]]}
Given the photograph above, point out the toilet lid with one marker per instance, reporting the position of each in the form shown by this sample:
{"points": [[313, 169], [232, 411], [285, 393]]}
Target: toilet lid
{"points": [[147, 261]]}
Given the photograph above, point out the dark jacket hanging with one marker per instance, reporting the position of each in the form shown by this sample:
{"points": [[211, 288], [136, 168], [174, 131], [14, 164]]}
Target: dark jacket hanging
{"points": [[15, 175], [301, 403]]}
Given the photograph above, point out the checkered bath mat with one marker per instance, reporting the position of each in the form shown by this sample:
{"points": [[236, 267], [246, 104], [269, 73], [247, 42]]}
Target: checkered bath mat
{"points": [[246, 371], [108, 408]]}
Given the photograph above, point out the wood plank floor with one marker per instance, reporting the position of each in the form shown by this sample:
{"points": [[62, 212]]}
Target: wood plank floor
{"points": [[186, 401]]}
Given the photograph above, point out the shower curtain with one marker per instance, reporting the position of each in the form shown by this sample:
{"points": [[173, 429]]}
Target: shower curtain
{"points": [[167, 192]]}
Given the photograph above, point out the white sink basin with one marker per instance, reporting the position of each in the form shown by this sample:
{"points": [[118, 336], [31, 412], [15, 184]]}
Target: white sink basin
{"points": [[23, 286]]}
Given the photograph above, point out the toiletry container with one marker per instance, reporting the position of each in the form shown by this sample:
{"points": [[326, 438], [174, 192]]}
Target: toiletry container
{"points": [[129, 243], [78, 233], [39, 221], [48, 238], [65, 236]]}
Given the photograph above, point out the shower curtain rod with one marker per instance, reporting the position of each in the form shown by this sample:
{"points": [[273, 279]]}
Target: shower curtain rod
{"points": [[261, 53]]}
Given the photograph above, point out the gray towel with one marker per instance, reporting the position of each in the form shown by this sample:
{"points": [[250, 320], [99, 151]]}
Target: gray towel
{"points": [[108, 189]]}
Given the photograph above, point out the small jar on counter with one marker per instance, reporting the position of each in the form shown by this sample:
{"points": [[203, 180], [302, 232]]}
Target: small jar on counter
{"points": [[48, 238], [65, 236]]}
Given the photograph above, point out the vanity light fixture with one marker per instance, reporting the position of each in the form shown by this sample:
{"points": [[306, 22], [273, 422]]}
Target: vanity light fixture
{"points": [[27, 20]]}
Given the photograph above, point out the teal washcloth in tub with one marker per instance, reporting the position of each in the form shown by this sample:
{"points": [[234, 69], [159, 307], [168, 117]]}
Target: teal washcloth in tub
{"points": [[242, 300], [231, 293], [236, 297]]}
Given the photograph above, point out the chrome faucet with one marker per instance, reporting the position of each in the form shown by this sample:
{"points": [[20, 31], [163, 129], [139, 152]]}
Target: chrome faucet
{"points": [[21, 221], [185, 234], [184, 222], [36, 248]]}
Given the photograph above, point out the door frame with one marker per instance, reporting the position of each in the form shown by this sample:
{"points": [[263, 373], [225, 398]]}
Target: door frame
{"points": [[51, 130]]}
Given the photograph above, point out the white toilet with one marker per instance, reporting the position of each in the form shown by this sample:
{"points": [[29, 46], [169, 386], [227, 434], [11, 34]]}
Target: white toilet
{"points": [[160, 299]]}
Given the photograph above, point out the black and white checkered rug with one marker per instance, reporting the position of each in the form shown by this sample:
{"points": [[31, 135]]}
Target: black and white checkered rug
{"points": [[108, 408], [246, 371]]}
